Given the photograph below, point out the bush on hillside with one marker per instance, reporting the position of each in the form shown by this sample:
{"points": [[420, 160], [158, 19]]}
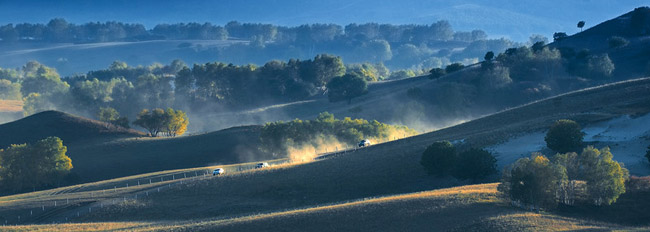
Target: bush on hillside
{"points": [[454, 67], [436, 73], [29, 166], [475, 164], [564, 136], [533, 181], [439, 158], [617, 42], [278, 137]]}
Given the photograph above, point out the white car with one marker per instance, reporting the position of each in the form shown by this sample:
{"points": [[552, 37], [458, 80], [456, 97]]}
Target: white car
{"points": [[364, 143], [218, 171], [261, 165]]}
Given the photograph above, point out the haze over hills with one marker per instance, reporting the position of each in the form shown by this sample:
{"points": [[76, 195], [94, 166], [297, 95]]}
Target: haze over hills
{"points": [[271, 175]]}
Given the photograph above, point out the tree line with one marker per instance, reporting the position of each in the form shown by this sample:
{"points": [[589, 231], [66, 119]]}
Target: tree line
{"points": [[58, 30], [408, 46]]}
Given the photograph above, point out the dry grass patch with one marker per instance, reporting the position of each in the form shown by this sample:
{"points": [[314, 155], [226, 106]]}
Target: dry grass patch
{"points": [[11, 105]]}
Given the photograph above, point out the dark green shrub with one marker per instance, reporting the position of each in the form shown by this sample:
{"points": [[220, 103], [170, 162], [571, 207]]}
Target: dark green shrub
{"points": [[454, 67], [475, 164], [439, 158], [564, 136]]}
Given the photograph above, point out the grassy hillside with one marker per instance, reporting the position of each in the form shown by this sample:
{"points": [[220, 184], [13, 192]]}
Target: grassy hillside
{"points": [[68, 127], [466, 208], [384, 169], [101, 151]]}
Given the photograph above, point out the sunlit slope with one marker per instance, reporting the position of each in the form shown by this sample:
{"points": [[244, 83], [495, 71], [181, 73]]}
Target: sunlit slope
{"points": [[383, 169]]}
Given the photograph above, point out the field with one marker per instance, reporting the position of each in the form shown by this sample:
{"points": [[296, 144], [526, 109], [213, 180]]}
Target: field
{"points": [[371, 181]]}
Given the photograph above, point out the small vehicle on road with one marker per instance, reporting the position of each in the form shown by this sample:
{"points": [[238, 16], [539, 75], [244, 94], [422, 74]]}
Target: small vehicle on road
{"points": [[261, 165], [218, 171], [364, 143]]}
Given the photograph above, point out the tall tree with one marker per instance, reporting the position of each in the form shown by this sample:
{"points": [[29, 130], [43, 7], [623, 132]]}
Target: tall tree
{"points": [[581, 24]]}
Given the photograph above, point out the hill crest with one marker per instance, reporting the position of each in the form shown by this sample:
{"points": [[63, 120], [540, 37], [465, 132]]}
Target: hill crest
{"points": [[68, 127]]}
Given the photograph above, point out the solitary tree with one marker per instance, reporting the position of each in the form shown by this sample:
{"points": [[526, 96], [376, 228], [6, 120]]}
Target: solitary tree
{"points": [[176, 123], [439, 158], [475, 164], [346, 87], [154, 121], [564, 136], [489, 56], [581, 24]]}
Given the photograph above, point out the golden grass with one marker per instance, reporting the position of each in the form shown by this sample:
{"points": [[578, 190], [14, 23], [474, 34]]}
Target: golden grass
{"points": [[465, 208], [11, 105]]}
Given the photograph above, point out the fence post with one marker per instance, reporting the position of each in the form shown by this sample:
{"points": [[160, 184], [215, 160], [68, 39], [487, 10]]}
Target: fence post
{"points": [[54, 203], [149, 181], [138, 182], [43, 207]]}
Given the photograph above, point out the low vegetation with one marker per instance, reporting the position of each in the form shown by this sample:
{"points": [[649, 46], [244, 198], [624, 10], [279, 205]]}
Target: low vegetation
{"points": [[442, 159], [326, 131]]}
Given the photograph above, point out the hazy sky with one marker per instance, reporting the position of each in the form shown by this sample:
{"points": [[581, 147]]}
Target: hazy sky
{"points": [[513, 19]]}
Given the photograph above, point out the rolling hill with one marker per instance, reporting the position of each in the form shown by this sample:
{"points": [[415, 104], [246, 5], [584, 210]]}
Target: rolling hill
{"points": [[101, 151], [342, 185]]}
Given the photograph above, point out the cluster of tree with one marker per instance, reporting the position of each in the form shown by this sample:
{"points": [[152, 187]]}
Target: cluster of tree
{"points": [[543, 183], [278, 137], [441, 159], [248, 85], [410, 46], [30, 166], [170, 122]]}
